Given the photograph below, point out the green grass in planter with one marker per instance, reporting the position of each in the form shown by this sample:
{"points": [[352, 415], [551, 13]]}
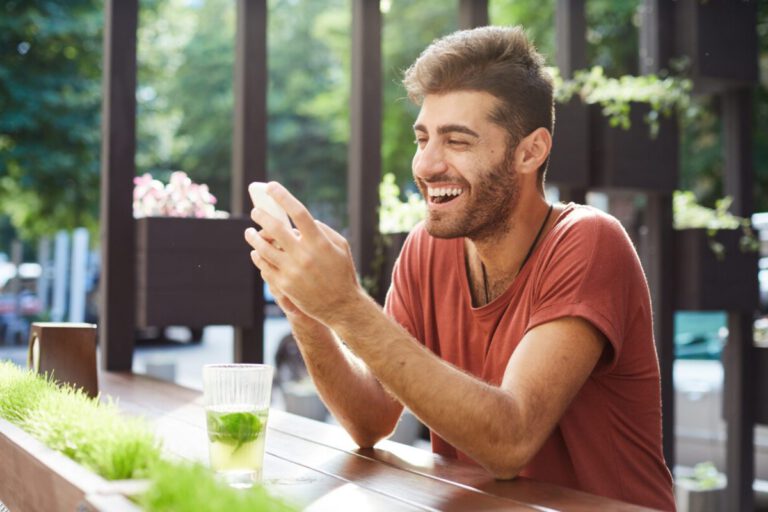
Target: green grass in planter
{"points": [[93, 434], [20, 392], [185, 487]]}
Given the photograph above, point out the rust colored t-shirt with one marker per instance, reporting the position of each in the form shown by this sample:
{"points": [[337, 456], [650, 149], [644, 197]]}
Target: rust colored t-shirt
{"points": [[608, 442]]}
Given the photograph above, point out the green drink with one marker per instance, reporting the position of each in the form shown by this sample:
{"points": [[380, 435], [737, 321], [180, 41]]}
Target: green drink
{"points": [[236, 436], [237, 400]]}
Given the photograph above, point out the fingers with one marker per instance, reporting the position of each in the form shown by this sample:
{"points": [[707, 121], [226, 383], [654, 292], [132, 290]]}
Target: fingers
{"points": [[332, 235], [296, 211], [272, 229], [264, 253]]}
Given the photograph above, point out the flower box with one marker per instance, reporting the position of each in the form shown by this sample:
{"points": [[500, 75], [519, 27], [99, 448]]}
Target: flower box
{"points": [[631, 158], [194, 272], [705, 282], [36, 478], [569, 161], [715, 37]]}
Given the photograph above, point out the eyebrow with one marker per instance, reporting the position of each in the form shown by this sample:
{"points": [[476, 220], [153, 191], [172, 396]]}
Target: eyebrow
{"points": [[448, 128]]}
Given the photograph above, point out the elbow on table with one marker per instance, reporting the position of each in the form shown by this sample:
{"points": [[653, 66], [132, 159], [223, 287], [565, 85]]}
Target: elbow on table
{"points": [[367, 438], [505, 463]]}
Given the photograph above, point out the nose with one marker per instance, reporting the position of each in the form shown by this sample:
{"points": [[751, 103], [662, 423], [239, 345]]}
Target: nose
{"points": [[429, 161]]}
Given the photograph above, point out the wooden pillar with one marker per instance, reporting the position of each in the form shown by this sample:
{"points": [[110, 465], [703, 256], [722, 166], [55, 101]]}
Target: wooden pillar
{"points": [[473, 13], [739, 392], [364, 171], [571, 54], [118, 168], [656, 49], [249, 147], [659, 248]]}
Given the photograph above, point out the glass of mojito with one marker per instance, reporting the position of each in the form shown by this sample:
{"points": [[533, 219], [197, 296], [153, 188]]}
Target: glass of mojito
{"points": [[237, 400]]}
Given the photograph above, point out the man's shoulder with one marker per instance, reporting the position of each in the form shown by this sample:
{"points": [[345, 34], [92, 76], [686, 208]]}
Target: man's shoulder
{"points": [[590, 221]]}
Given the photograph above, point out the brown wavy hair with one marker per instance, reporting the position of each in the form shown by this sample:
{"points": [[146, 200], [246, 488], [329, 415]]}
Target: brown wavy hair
{"points": [[497, 60]]}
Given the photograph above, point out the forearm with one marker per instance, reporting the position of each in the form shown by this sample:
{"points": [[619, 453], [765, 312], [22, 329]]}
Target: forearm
{"points": [[479, 419], [351, 392]]}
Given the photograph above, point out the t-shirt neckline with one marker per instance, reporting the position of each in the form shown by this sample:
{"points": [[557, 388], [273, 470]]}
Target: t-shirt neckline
{"points": [[503, 299]]}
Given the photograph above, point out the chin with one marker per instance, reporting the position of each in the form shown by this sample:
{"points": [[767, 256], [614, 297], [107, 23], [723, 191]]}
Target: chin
{"points": [[439, 229]]}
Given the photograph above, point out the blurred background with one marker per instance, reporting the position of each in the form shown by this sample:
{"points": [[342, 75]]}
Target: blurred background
{"points": [[50, 104]]}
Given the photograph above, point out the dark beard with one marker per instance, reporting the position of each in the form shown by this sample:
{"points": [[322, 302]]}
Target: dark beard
{"points": [[488, 214]]}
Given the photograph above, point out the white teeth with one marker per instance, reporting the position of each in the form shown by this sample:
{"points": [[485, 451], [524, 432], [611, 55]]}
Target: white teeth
{"points": [[444, 191]]}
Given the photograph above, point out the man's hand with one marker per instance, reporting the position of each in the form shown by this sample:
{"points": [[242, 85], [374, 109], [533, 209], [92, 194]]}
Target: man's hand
{"points": [[312, 271]]}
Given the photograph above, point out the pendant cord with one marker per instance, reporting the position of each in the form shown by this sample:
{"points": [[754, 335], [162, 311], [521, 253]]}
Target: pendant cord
{"points": [[525, 260]]}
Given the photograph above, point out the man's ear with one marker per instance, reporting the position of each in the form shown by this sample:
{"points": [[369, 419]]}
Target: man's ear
{"points": [[532, 151]]}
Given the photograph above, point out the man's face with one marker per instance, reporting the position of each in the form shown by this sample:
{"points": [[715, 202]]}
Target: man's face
{"points": [[463, 166]]}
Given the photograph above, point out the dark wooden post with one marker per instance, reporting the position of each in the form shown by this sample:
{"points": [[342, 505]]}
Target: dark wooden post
{"points": [[118, 146], [473, 13], [249, 147], [739, 392], [656, 49], [571, 54], [364, 171]]}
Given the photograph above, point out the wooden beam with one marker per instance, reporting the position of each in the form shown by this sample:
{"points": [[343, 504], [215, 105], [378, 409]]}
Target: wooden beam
{"points": [[739, 393], [738, 178], [473, 13], [659, 252], [657, 35], [249, 147], [739, 410], [656, 50], [571, 54], [364, 171], [571, 42], [118, 168]]}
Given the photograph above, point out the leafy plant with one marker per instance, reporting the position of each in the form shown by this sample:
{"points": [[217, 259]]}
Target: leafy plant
{"points": [[396, 215], [706, 477], [615, 95], [688, 214]]}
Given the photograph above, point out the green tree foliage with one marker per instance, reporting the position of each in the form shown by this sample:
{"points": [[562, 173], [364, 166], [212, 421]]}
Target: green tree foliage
{"points": [[187, 101], [50, 89]]}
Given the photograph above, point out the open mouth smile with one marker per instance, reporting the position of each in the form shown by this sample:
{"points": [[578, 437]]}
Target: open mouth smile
{"points": [[440, 195]]}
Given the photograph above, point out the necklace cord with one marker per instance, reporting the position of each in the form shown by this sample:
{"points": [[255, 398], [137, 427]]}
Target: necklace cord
{"points": [[525, 260]]}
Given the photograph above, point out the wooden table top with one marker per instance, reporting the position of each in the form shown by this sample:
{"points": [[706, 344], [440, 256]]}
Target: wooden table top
{"points": [[317, 466]]}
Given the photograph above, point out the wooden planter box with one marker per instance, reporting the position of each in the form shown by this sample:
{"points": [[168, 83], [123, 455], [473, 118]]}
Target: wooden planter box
{"points": [[719, 37], [569, 163], [631, 159], [194, 272], [706, 283], [35, 478]]}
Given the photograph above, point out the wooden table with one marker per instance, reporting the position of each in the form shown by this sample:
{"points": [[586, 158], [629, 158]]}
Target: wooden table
{"points": [[318, 467]]}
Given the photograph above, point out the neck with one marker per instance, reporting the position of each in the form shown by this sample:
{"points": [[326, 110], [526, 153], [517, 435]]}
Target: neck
{"points": [[494, 262]]}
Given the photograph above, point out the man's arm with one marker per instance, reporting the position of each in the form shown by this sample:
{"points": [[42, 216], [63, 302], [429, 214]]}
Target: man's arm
{"points": [[346, 385], [502, 427]]}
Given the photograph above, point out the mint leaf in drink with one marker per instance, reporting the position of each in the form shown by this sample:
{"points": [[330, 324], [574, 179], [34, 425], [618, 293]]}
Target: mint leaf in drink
{"points": [[233, 428]]}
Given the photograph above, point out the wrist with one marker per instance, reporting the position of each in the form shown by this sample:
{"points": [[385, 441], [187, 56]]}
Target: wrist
{"points": [[346, 317]]}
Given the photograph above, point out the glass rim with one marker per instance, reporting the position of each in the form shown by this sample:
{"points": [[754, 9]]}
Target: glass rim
{"points": [[238, 366]]}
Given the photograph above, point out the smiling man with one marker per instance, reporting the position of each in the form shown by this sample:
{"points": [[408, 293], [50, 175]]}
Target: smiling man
{"points": [[520, 332]]}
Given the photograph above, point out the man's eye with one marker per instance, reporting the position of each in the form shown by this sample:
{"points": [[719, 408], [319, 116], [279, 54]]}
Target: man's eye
{"points": [[456, 142], [420, 141]]}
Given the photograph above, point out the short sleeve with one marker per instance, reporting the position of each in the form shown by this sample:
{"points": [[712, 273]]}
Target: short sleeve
{"points": [[403, 303], [591, 272]]}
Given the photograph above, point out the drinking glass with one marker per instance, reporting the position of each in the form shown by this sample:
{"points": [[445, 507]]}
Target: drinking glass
{"points": [[237, 400]]}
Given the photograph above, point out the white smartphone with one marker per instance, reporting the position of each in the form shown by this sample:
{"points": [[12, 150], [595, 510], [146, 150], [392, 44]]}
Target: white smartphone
{"points": [[258, 193]]}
